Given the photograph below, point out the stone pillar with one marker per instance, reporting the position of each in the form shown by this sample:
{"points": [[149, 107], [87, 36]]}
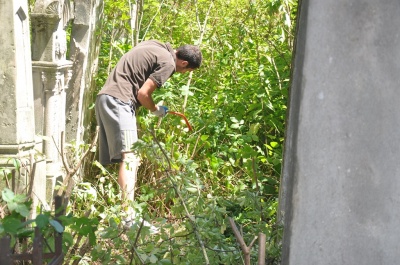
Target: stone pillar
{"points": [[17, 123], [16, 97], [341, 175], [51, 74], [84, 53]]}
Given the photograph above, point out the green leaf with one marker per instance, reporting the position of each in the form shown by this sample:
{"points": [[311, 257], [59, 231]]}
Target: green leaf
{"points": [[12, 206], [274, 144], [68, 239], [143, 256], [233, 119], [153, 259], [57, 226], [254, 128], [42, 220], [149, 248], [113, 223], [11, 224], [19, 198], [185, 91], [92, 238], [103, 170], [121, 259], [165, 262], [204, 137], [7, 195], [17, 164], [22, 209], [193, 190], [25, 232]]}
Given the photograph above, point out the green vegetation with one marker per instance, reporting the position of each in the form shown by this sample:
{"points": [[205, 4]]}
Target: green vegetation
{"points": [[190, 183]]}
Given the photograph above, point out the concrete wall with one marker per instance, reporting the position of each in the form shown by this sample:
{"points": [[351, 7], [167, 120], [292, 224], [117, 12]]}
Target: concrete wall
{"points": [[341, 176]]}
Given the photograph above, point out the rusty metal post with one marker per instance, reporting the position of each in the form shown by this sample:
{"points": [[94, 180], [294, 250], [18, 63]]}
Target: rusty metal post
{"points": [[58, 254], [58, 236], [5, 251], [37, 252]]}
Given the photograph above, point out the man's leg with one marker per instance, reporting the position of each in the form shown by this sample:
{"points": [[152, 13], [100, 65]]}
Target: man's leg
{"points": [[127, 175]]}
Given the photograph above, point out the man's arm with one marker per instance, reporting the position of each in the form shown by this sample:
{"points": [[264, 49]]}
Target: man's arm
{"points": [[144, 95]]}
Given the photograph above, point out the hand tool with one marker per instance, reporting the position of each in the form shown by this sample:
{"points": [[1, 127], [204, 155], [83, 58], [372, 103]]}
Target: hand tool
{"points": [[183, 117]]}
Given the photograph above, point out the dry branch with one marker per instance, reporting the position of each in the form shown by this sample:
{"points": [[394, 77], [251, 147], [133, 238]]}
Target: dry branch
{"points": [[243, 246], [71, 171]]}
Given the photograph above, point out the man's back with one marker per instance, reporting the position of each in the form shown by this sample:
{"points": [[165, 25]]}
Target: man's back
{"points": [[149, 59]]}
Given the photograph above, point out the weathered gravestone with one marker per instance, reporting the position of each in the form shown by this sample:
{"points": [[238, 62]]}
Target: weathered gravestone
{"points": [[51, 74], [341, 177], [17, 126], [16, 98], [35, 74], [84, 54]]}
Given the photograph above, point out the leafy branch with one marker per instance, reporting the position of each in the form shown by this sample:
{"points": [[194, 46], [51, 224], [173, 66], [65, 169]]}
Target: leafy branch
{"points": [[191, 218]]}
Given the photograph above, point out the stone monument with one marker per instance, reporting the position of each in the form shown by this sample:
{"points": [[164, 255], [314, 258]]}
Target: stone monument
{"points": [[51, 74], [84, 54], [17, 123], [38, 100]]}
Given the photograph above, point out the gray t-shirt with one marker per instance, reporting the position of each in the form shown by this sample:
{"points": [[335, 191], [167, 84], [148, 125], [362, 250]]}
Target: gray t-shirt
{"points": [[149, 59]]}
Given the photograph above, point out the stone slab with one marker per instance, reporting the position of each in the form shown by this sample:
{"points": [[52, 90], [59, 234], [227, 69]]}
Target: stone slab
{"points": [[341, 175]]}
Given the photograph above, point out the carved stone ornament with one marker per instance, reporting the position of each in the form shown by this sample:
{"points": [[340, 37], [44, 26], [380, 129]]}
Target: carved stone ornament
{"points": [[62, 9]]}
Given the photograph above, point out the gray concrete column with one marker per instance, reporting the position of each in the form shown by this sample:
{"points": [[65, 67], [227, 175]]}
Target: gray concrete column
{"points": [[341, 176]]}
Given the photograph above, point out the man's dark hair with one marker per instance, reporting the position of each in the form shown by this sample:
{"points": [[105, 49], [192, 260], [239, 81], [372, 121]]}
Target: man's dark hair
{"points": [[191, 54]]}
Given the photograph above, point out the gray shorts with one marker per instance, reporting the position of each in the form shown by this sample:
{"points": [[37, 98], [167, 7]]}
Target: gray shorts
{"points": [[118, 130]]}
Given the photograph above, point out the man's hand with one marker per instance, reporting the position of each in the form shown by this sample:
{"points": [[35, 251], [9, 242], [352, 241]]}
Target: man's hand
{"points": [[161, 111]]}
